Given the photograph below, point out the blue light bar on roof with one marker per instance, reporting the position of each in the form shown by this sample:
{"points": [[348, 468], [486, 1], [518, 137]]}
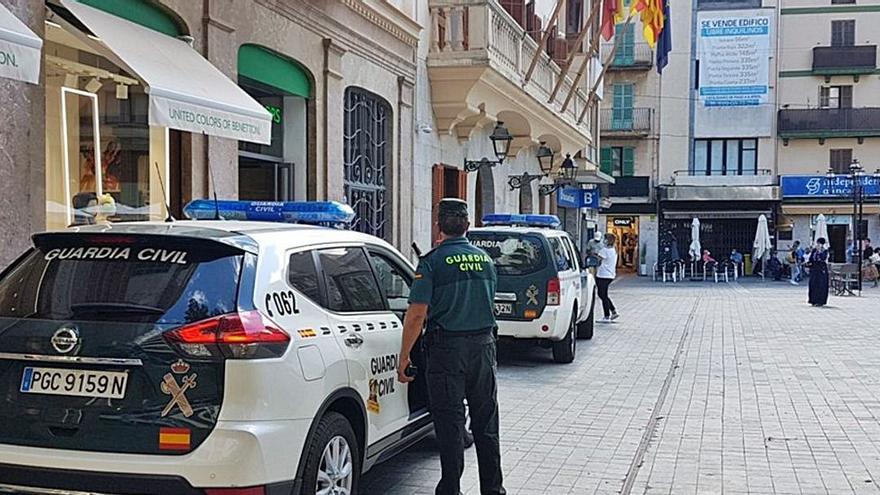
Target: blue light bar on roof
{"points": [[549, 221], [329, 213]]}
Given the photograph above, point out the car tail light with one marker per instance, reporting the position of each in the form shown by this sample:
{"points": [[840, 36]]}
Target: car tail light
{"points": [[242, 335], [553, 292], [254, 490]]}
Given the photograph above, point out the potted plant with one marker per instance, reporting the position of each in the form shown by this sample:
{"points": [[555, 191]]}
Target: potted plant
{"points": [[643, 266]]}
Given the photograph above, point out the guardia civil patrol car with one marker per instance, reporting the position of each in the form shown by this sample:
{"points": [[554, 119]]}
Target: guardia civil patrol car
{"points": [[212, 357], [544, 291]]}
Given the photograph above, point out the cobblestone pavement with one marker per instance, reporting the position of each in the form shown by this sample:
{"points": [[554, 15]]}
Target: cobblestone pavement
{"points": [[700, 388]]}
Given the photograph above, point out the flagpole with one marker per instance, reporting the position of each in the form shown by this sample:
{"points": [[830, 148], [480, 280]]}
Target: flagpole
{"points": [[546, 34], [592, 94], [595, 8]]}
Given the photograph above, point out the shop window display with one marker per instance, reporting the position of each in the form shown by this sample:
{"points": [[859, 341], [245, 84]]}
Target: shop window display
{"points": [[104, 162]]}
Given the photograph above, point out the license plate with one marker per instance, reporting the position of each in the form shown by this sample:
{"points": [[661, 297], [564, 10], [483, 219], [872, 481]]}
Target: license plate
{"points": [[78, 383], [503, 309]]}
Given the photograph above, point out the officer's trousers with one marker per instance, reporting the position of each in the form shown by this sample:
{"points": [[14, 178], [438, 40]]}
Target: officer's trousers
{"points": [[463, 367]]}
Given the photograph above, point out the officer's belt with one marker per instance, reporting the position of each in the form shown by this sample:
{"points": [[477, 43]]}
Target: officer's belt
{"points": [[443, 333]]}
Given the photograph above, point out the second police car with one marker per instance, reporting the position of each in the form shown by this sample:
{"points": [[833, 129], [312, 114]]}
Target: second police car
{"points": [[544, 291], [211, 357]]}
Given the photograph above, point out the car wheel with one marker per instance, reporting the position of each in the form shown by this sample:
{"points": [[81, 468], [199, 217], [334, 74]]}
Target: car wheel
{"points": [[585, 328], [563, 351], [332, 462]]}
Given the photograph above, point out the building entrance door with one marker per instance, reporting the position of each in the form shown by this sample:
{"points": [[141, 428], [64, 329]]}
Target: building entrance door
{"points": [[837, 243], [626, 229]]}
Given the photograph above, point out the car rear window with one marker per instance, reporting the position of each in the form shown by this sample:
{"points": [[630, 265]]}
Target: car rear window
{"points": [[147, 283], [514, 254]]}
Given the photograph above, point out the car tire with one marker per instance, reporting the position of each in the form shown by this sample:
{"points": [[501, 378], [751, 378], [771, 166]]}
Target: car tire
{"points": [[333, 457], [585, 328], [563, 351]]}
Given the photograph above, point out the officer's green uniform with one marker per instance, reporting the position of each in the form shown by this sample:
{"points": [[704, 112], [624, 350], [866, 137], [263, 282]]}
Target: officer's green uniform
{"points": [[457, 281]]}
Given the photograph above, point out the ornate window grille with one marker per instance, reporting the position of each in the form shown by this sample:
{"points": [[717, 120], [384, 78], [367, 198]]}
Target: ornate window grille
{"points": [[367, 149]]}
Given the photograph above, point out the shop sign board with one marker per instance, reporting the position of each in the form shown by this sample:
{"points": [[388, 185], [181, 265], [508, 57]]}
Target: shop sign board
{"points": [[622, 221], [177, 114], [824, 187], [572, 197], [19, 49]]}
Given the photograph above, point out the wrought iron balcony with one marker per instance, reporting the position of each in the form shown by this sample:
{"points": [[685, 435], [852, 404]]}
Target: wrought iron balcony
{"points": [[829, 122], [478, 62], [630, 187], [625, 122], [844, 60], [629, 56]]}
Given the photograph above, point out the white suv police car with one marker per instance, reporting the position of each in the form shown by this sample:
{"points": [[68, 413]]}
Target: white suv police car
{"points": [[544, 291], [205, 357]]}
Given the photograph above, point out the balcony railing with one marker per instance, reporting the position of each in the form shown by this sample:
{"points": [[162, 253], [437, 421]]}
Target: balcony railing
{"points": [[829, 122], [629, 56], [468, 34], [622, 122], [630, 187], [759, 177], [835, 60]]}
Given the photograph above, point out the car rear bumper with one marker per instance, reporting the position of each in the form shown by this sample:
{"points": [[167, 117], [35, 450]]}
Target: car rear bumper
{"points": [[534, 329], [263, 453]]}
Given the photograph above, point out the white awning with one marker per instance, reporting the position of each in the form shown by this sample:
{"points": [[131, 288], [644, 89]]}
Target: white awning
{"points": [[186, 91], [19, 49]]}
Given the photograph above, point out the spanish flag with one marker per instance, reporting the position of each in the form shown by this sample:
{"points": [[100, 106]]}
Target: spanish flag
{"points": [[174, 438]]}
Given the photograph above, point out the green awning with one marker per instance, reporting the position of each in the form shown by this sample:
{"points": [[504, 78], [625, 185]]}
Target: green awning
{"points": [[265, 66]]}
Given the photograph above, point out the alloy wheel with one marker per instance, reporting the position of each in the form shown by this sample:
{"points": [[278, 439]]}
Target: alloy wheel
{"points": [[336, 473]]}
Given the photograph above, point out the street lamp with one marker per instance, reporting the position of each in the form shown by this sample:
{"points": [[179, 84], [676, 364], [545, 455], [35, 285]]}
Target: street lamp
{"points": [[545, 161], [501, 140], [567, 172]]}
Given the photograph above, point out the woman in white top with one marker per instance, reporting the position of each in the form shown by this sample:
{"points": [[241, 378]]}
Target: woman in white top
{"points": [[605, 275]]}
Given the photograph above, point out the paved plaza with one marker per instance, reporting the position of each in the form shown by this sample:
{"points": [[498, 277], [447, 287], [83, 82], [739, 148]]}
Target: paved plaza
{"points": [[700, 388]]}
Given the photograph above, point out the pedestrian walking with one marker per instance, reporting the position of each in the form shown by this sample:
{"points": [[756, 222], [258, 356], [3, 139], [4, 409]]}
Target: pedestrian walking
{"points": [[794, 262], [605, 275], [818, 264], [867, 250], [592, 255], [454, 291]]}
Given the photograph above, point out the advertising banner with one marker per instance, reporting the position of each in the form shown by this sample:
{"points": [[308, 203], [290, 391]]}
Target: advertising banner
{"points": [[735, 50]]}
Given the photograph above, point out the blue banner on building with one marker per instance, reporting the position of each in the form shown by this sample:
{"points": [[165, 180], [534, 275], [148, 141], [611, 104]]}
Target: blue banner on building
{"points": [[824, 187], [572, 197]]}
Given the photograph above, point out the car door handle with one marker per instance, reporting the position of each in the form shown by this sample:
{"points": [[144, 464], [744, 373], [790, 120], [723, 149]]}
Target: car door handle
{"points": [[354, 341]]}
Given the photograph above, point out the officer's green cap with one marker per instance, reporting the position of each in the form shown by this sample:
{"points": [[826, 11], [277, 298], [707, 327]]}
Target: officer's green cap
{"points": [[450, 207]]}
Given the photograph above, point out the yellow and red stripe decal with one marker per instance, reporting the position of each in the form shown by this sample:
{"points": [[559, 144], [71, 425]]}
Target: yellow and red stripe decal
{"points": [[307, 333], [174, 438]]}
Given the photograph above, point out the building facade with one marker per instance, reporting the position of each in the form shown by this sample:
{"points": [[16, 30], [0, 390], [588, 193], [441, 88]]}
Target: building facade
{"points": [[829, 99], [310, 100]]}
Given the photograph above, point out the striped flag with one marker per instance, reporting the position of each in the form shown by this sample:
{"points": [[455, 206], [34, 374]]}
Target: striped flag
{"points": [[174, 438], [612, 13]]}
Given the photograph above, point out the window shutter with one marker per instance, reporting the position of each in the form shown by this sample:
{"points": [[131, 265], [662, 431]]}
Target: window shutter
{"points": [[462, 184], [629, 162], [605, 162]]}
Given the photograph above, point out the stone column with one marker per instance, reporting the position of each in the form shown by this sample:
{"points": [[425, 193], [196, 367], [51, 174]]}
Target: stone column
{"points": [[22, 149], [221, 49], [403, 187], [330, 175]]}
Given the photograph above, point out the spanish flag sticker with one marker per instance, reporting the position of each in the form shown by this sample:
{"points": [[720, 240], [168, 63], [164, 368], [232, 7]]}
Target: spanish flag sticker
{"points": [[174, 438]]}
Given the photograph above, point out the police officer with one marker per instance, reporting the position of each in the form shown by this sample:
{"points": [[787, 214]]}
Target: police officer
{"points": [[454, 291]]}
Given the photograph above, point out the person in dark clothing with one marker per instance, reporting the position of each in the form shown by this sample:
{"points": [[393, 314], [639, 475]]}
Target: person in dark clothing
{"points": [[818, 264], [456, 298]]}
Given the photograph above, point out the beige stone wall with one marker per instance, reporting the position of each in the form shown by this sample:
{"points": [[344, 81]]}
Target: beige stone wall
{"points": [[22, 150], [340, 46]]}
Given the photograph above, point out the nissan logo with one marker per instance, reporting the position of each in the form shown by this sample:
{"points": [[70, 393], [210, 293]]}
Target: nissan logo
{"points": [[65, 339]]}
